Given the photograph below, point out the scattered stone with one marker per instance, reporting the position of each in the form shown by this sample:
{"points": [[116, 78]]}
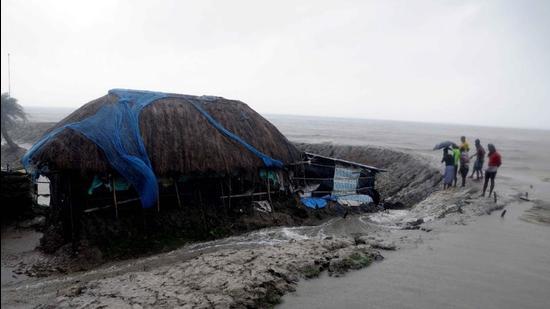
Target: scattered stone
{"points": [[413, 225], [384, 246], [311, 271], [356, 260], [448, 210], [416, 222], [376, 243], [73, 291]]}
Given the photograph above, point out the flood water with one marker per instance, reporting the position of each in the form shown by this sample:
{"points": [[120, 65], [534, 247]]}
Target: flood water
{"points": [[492, 262]]}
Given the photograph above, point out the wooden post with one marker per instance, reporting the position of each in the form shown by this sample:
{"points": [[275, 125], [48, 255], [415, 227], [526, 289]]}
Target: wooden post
{"points": [[252, 195], [268, 190], [221, 188], [177, 193], [223, 200], [70, 198], [158, 202], [230, 193], [305, 175], [202, 211], [114, 195]]}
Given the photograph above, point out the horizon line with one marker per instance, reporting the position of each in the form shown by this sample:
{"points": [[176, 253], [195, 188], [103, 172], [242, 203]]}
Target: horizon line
{"points": [[359, 118]]}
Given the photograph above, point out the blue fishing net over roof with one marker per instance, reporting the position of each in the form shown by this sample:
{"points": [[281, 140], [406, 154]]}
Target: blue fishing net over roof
{"points": [[115, 130]]}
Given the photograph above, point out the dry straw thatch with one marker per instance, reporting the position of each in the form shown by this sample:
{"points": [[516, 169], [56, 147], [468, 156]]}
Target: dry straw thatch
{"points": [[178, 139]]}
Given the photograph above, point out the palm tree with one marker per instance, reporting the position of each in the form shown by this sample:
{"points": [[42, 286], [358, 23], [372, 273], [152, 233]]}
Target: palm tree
{"points": [[11, 112]]}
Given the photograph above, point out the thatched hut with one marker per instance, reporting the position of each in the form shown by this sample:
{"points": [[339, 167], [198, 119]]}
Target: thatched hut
{"points": [[177, 138], [194, 148]]}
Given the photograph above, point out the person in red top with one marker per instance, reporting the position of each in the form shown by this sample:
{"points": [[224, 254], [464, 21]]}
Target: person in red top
{"points": [[494, 163]]}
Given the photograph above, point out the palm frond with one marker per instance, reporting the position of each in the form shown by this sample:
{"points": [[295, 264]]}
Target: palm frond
{"points": [[11, 110]]}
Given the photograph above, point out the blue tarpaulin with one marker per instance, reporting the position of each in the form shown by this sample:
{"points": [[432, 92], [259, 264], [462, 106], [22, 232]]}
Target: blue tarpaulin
{"points": [[317, 202], [314, 202], [115, 130]]}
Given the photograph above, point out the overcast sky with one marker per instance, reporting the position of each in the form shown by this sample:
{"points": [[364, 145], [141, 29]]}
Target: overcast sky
{"points": [[471, 62]]}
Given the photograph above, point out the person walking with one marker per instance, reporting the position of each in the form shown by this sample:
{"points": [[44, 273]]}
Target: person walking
{"points": [[495, 161], [478, 164], [464, 164], [449, 161]]}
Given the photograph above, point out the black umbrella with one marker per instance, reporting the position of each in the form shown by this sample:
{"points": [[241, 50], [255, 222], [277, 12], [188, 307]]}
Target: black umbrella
{"points": [[445, 144]]}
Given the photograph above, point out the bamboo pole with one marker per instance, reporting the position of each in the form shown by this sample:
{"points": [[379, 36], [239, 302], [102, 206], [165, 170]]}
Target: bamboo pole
{"points": [[114, 195], [243, 195], [269, 191], [202, 211], [158, 202], [221, 188], [177, 193], [225, 206], [71, 210], [230, 193]]}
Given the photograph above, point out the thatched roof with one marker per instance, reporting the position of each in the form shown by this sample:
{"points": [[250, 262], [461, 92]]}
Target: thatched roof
{"points": [[177, 137]]}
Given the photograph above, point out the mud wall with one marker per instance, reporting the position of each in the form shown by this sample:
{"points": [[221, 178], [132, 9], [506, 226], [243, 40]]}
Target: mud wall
{"points": [[409, 178]]}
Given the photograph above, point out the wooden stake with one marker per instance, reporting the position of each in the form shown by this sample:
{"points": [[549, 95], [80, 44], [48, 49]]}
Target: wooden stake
{"points": [[177, 193], [225, 207], [230, 193], [70, 195], [268, 191], [251, 194], [114, 195], [221, 188], [158, 202], [202, 211]]}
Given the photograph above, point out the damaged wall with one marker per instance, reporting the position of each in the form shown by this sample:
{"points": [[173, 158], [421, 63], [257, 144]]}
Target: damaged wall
{"points": [[409, 178]]}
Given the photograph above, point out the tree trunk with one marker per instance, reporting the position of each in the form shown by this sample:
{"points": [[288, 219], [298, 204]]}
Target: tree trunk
{"points": [[8, 139]]}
